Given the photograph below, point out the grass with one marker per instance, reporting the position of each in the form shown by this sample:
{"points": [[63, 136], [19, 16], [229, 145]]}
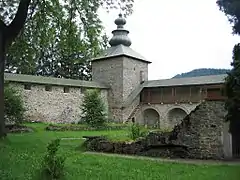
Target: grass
{"points": [[20, 158]]}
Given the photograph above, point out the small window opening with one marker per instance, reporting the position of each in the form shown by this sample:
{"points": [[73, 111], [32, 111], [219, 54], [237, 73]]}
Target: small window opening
{"points": [[27, 86], [83, 90], [142, 78], [48, 88], [66, 89]]}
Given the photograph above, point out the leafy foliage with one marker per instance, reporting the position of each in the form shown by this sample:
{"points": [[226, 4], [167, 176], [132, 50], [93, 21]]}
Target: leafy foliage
{"points": [[202, 72], [13, 105], [59, 37], [232, 10], [136, 131], [93, 108], [53, 165], [27, 55], [57, 41], [8, 8], [233, 91]]}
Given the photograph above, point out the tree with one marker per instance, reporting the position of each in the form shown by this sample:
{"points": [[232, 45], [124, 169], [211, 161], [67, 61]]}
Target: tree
{"points": [[93, 108], [58, 42], [231, 8], [12, 24], [233, 92], [7, 35]]}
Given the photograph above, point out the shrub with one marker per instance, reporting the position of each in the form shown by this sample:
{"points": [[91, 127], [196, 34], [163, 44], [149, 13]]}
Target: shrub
{"points": [[136, 131], [53, 165], [93, 109], [13, 105], [83, 127]]}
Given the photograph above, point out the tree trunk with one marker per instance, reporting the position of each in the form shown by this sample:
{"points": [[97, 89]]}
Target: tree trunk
{"points": [[7, 35], [2, 63]]}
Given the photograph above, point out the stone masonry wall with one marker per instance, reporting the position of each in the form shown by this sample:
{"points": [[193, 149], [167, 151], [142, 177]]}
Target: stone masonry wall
{"points": [[127, 111], [163, 111], [202, 130], [55, 105], [198, 136], [122, 74], [132, 79], [110, 72], [131, 74]]}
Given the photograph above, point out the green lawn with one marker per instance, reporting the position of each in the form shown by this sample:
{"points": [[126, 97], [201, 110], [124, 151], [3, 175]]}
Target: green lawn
{"points": [[20, 157]]}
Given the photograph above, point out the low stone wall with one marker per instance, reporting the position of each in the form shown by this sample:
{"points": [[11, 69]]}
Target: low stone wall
{"points": [[141, 147], [14, 128], [198, 136]]}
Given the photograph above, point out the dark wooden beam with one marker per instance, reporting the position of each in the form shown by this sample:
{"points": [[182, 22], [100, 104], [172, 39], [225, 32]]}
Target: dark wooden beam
{"points": [[161, 95], [148, 95]]}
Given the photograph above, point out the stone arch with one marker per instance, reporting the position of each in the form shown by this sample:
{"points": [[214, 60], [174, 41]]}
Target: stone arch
{"points": [[176, 115], [182, 107], [151, 117]]}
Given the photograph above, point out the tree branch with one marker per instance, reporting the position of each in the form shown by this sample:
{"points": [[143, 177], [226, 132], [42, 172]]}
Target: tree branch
{"points": [[18, 22]]}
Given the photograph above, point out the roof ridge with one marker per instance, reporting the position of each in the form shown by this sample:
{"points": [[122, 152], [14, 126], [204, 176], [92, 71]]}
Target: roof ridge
{"points": [[52, 80], [120, 50], [194, 77]]}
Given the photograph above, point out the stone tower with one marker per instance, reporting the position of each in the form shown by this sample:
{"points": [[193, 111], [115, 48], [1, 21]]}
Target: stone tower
{"points": [[122, 69]]}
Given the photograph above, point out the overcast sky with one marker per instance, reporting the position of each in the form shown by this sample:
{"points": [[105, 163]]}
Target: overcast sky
{"points": [[178, 36]]}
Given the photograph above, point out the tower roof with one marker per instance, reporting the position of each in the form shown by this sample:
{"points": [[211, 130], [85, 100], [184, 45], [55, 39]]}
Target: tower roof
{"points": [[120, 35], [120, 44]]}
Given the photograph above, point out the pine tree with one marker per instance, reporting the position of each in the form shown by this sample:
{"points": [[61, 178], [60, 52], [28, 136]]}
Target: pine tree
{"points": [[93, 109]]}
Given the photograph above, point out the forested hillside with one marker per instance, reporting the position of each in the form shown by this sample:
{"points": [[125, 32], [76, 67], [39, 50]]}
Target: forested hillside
{"points": [[202, 72]]}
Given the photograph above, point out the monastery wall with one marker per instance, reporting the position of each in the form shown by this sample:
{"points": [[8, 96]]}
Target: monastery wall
{"points": [[55, 104]]}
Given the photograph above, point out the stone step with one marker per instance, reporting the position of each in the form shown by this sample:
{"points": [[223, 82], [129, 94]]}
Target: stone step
{"points": [[134, 112]]}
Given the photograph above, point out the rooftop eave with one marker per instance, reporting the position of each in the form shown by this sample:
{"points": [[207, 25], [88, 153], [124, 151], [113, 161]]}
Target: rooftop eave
{"points": [[190, 84], [119, 55], [192, 81], [22, 78]]}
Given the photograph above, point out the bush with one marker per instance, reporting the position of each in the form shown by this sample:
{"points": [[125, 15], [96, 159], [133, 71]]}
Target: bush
{"points": [[93, 109], [136, 131], [53, 165], [83, 127], [13, 105]]}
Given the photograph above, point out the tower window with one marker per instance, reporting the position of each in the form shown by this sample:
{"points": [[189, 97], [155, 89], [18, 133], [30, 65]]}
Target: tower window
{"points": [[142, 79]]}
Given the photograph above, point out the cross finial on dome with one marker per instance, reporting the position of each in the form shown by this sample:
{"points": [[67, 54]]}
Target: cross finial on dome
{"points": [[120, 35]]}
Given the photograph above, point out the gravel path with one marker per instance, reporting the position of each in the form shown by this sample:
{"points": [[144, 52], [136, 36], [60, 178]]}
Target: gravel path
{"points": [[185, 161]]}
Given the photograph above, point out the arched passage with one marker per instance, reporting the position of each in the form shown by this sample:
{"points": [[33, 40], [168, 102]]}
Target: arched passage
{"points": [[176, 115], [151, 117]]}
